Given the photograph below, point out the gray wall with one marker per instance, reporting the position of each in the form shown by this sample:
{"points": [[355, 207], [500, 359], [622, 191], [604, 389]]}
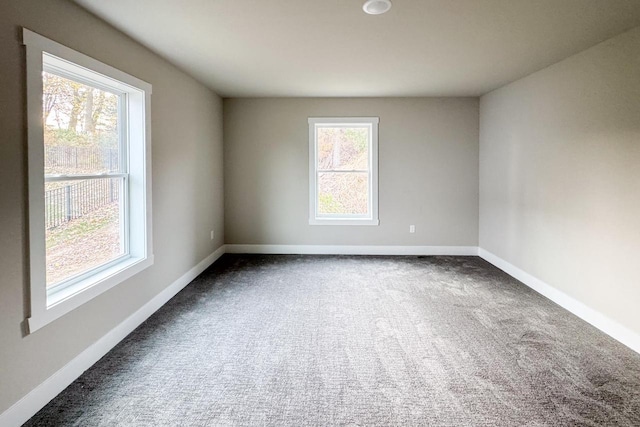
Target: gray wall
{"points": [[428, 171], [560, 176], [187, 189]]}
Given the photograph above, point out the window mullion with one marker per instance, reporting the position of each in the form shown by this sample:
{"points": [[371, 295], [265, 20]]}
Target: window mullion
{"points": [[123, 133], [55, 178], [343, 171]]}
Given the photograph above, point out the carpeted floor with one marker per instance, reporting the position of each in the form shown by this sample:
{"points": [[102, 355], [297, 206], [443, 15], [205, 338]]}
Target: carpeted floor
{"points": [[356, 341]]}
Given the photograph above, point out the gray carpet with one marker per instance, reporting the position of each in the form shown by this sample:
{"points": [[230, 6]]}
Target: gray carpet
{"points": [[356, 341]]}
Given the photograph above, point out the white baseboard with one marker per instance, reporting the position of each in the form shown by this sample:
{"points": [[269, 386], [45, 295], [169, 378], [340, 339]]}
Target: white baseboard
{"points": [[351, 250], [29, 405], [610, 327]]}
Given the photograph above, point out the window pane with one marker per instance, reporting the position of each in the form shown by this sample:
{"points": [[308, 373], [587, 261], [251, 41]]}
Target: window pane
{"points": [[343, 148], [83, 227], [80, 127], [343, 193]]}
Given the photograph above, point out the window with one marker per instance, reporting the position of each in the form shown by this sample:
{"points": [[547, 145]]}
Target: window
{"points": [[89, 177], [343, 171]]}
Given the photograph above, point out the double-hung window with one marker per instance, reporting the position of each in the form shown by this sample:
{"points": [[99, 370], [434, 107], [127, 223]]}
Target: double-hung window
{"points": [[343, 171], [89, 177]]}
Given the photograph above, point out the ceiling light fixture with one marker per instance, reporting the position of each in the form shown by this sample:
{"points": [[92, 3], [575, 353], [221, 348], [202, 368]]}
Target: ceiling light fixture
{"points": [[376, 7]]}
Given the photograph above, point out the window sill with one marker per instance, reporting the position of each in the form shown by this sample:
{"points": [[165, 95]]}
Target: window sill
{"points": [[343, 221], [61, 302]]}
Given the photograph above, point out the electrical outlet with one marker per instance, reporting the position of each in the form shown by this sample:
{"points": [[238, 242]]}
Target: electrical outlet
{"points": [[412, 229], [213, 234]]}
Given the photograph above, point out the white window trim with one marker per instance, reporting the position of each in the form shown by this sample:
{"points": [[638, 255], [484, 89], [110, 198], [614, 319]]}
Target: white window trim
{"points": [[339, 219], [46, 306]]}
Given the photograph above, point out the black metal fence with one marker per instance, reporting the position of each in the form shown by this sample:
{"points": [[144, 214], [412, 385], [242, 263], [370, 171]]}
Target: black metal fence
{"points": [[82, 158], [78, 199]]}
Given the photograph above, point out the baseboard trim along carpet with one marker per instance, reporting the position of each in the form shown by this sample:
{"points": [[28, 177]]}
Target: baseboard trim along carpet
{"points": [[29, 405], [35, 400], [311, 340], [352, 250], [607, 325]]}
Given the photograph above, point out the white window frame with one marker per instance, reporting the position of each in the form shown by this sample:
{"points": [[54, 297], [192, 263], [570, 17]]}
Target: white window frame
{"points": [[371, 218], [43, 54]]}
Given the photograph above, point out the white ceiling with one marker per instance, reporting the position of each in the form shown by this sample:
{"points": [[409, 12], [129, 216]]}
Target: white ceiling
{"points": [[284, 48]]}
